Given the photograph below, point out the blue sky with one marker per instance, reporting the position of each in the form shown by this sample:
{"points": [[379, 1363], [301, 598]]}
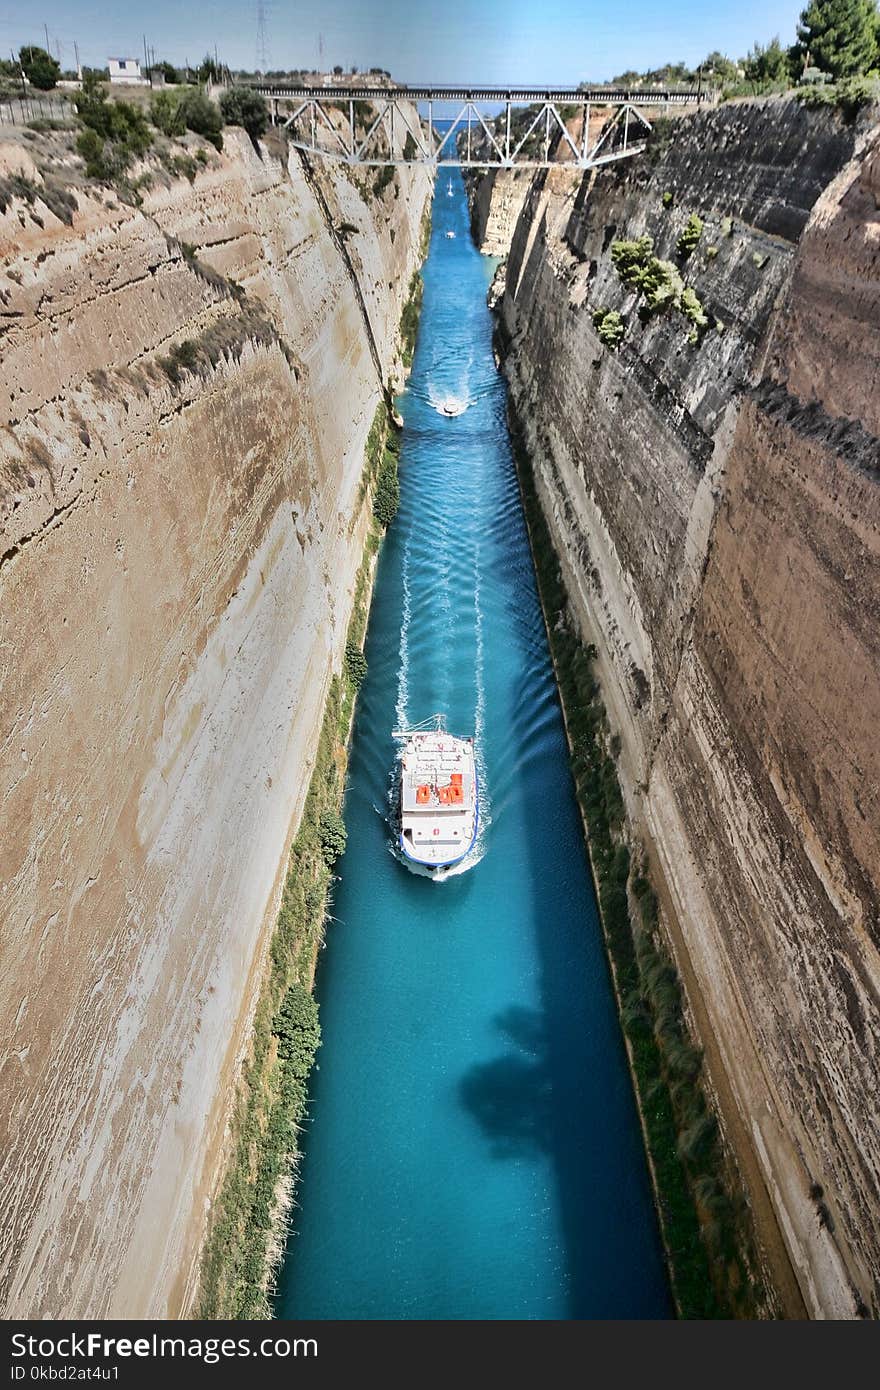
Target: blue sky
{"points": [[513, 41]]}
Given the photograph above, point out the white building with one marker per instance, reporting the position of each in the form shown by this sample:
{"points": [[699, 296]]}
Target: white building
{"points": [[124, 70]]}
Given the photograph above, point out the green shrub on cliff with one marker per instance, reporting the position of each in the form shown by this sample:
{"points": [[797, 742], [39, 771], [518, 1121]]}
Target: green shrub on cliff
{"points": [[245, 107], [202, 116], [690, 236], [332, 835], [298, 1031], [693, 309], [387, 499], [659, 283], [114, 133], [848, 96], [662, 286], [630, 259], [384, 176], [409, 319], [355, 664], [166, 113], [609, 327]]}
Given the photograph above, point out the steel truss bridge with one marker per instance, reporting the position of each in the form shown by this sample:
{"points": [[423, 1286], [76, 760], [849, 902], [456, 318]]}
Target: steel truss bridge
{"points": [[489, 130]]}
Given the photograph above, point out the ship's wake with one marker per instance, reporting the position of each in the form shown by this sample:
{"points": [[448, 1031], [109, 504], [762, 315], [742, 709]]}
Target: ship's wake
{"points": [[450, 402]]}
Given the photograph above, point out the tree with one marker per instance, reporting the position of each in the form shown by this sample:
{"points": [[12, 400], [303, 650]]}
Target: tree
{"points": [[337, 71], [245, 107], [764, 66], [209, 70], [168, 71], [331, 835], [841, 35], [718, 66], [202, 116], [40, 68]]}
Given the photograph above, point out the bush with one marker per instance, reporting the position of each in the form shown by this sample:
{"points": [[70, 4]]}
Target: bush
{"points": [[629, 259], [178, 164], [166, 113], [355, 664], [387, 499], [245, 107], [692, 308], [662, 286], [331, 835], [298, 1031], [383, 177], [202, 116], [847, 96], [610, 327], [115, 132], [39, 67], [90, 146], [690, 236]]}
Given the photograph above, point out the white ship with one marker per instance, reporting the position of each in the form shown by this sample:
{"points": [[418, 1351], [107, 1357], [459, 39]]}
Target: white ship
{"points": [[450, 235], [449, 192], [439, 795]]}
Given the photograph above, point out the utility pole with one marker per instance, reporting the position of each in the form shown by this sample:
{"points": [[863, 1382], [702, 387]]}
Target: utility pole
{"points": [[79, 71], [46, 32], [147, 62]]}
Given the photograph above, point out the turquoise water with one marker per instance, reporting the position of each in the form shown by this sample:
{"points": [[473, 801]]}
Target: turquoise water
{"points": [[473, 1149]]}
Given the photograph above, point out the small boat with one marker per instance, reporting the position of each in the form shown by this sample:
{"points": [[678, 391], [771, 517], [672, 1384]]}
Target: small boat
{"points": [[452, 406], [449, 190], [450, 235], [439, 795]]}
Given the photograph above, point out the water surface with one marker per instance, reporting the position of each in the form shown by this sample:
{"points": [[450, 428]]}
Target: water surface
{"points": [[473, 1149]]}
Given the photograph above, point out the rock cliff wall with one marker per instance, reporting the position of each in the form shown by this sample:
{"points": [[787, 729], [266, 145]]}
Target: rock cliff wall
{"points": [[715, 499], [186, 393], [496, 199]]}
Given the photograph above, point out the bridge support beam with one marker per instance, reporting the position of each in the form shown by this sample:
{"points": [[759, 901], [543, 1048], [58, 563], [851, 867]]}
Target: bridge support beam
{"points": [[518, 127]]}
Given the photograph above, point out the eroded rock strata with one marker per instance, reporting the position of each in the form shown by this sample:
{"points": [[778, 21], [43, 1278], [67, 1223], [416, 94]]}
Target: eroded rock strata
{"points": [[180, 536], [715, 499]]}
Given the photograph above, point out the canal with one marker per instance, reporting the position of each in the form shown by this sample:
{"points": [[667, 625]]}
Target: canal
{"points": [[473, 1149]]}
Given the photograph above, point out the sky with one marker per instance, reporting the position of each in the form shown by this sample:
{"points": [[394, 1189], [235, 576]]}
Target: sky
{"points": [[488, 41]]}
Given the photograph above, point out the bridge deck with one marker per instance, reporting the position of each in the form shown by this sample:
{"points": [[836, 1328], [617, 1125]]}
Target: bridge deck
{"points": [[635, 96]]}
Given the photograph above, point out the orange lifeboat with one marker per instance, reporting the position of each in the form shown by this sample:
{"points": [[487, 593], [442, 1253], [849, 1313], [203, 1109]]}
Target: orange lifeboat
{"points": [[455, 779], [444, 795], [456, 795], [423, 795]]}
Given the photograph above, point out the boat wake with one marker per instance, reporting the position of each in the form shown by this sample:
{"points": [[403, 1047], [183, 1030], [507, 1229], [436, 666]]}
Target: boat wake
{"points": [[450, 405], [403, 667], [439, 875]]}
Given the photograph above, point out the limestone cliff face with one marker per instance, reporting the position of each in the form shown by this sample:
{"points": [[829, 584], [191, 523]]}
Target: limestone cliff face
{"points": [[496, 199], [178, 554], [717, 508]]}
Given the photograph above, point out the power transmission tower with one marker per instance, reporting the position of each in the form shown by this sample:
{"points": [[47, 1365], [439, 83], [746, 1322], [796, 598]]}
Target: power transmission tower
{"points": [[262, 37]]}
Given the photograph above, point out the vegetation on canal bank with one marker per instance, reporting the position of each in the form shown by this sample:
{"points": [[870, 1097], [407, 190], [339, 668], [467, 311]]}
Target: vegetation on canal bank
{"points": [[704, 1216], [246, 1240]]}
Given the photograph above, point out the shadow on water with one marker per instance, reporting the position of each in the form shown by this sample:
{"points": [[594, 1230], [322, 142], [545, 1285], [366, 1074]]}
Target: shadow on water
{"points": [[512, 1097], [560, 1087]]}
